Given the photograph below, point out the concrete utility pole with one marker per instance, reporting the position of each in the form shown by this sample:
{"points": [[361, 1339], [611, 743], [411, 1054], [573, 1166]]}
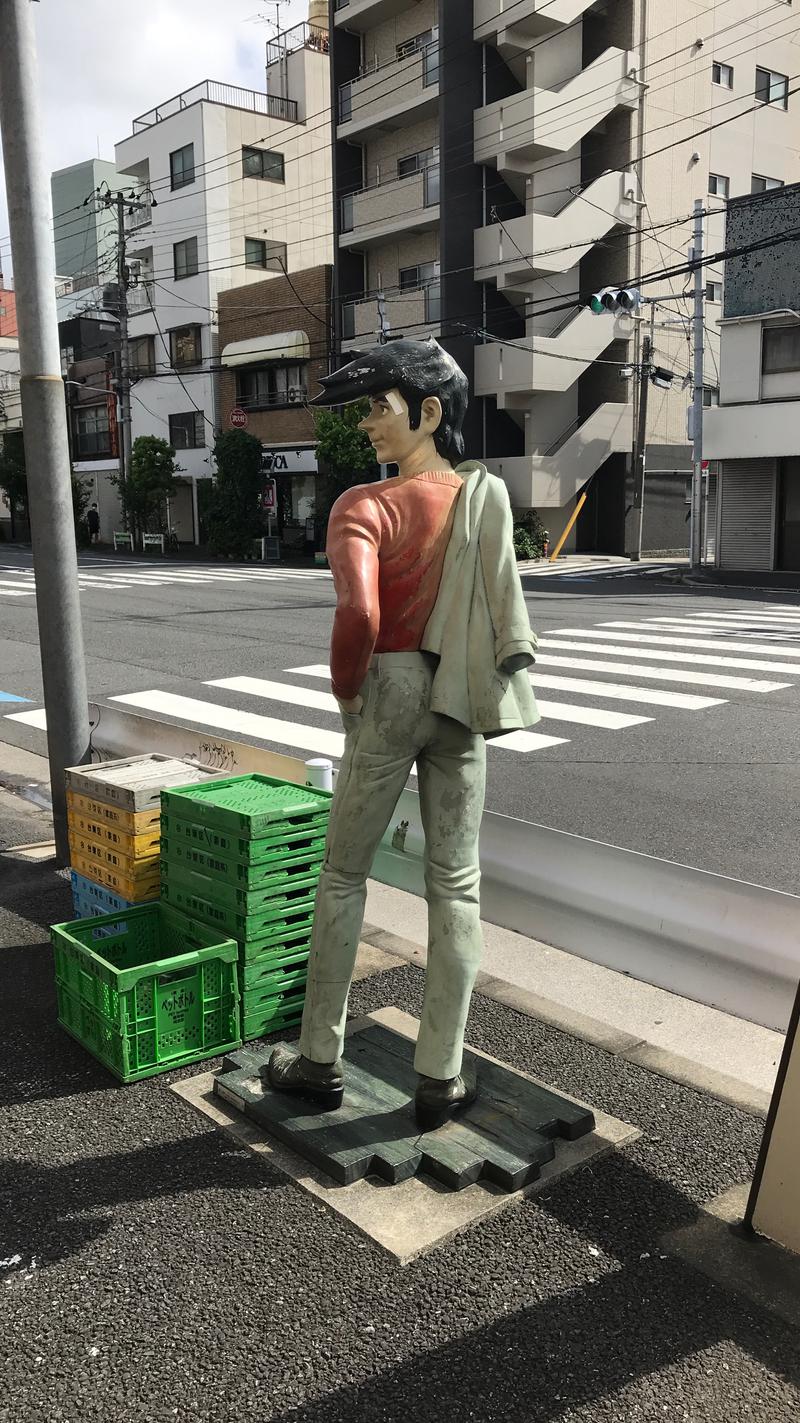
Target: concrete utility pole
{"points": [[696, 527], [121, 201], [640, 446], [43, 408]]}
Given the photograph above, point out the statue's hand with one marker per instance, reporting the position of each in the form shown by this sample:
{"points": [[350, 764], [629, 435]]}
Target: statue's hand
{"points": [[353, 706]]}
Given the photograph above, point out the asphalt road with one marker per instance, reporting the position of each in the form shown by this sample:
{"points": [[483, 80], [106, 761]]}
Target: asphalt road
{"points": [[660, 734]]}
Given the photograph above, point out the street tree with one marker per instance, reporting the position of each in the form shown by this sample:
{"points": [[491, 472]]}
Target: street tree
{"points": [[344, 453], [150, 482], [235, 517], [14, 484]]}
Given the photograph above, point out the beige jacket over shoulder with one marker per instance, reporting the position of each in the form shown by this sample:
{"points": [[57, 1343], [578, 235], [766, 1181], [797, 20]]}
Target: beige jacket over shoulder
{"points": [[479, 627]]}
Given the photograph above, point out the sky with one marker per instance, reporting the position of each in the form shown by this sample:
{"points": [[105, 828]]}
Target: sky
{"points": [[101, 64]]}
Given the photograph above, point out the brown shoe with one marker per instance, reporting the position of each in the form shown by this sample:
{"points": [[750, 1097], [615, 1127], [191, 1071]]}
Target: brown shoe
{"points": [[320, 1082], [438, 1099]]}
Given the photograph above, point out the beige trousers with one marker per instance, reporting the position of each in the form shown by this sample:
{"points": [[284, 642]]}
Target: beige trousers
{"points": [[394, 729]]}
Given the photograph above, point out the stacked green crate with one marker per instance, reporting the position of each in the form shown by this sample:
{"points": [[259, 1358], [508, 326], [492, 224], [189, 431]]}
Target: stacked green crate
{"points": [[245, 855]]}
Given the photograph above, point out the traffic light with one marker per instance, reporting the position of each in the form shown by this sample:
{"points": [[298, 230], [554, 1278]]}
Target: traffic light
{"points": [[615, 300]]}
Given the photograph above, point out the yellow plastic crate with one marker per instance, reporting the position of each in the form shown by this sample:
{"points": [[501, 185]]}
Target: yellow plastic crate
{"points": [[96, 852], [136, 891], [134, 822], [134, 847]]}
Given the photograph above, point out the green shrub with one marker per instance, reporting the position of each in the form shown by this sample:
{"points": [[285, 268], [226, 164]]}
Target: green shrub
{"points": [[530, 534]]}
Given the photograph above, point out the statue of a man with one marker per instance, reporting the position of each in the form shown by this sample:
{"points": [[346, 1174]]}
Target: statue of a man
{"points": [[429, 655]]}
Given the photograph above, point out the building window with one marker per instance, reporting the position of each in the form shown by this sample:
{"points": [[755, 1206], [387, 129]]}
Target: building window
{"points": [[772, 88], [142, 356], [268, 387], [255, 252], [780, 349], [759, 184], [181, 166], [184, 256], [719, 186], [416, 162], [263, 163], [722, 74], [90, 431], [411, 278], [710, 395], [186, 431], [186, 348], [713, 291], [416, 43]]}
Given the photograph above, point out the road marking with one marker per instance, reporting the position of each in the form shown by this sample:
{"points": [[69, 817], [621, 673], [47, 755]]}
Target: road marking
{"points": [[650, 696], [264, 728], [36, 718], [662, 674], [748, 663], [790, 619], [10, 697], [765, 648], [324, 701], [774, 631], [17, 593], [589, 716]]}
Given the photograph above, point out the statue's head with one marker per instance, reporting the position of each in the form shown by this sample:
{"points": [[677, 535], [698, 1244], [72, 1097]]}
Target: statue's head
{"points": [[421, 387]]}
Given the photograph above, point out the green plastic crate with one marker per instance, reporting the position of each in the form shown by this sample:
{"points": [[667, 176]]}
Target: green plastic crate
{"points": [[291, 933], [242, 927], [254, 974], [295, 881], [273, 1015], [280, 980], [183, 855], [249, 806], [195, 833], [148, 991]]}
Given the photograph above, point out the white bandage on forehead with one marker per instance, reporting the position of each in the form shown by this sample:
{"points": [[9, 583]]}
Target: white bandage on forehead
{"points": [[394, 402]]}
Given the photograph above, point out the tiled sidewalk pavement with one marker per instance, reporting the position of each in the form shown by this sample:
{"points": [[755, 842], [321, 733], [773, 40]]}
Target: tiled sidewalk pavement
{"points": [[165, 1274]]}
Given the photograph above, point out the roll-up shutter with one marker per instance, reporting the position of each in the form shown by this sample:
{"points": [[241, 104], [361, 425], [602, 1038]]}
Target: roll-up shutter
{"points": [[747, 516]]}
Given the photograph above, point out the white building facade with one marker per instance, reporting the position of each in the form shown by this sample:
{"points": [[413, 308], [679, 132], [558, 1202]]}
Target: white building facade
{"points": [[241, 183]]}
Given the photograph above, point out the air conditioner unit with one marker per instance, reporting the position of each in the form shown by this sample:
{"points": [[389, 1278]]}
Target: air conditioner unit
{"points": [[134, 271]]}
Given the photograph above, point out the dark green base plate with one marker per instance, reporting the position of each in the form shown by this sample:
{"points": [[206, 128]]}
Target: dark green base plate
{"points": [[505, 1137]]}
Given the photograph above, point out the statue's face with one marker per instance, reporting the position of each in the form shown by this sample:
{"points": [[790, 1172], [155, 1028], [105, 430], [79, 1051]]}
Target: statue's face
{"points": [[389, 430]]}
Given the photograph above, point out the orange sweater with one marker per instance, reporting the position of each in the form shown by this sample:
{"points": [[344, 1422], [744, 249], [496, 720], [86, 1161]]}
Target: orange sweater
{"points": [[386, 546]]}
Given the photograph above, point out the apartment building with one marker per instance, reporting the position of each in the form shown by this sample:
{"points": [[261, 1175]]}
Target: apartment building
{"points": [[754, 431], [84, 236], [235, 187], [269, 373], [497, 161]]}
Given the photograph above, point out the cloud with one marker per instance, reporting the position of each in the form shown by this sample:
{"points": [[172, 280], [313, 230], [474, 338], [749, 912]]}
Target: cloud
{"points": [[102, 63]]}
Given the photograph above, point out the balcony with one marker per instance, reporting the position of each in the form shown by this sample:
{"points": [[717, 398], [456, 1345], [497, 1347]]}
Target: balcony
{"points": [[405, 90], [405, 205], [517, 132], [540, 243], [360, 15], [139, 299], [510, 370], [413, 313], [512, 24], [211, 92], [551, 481]]}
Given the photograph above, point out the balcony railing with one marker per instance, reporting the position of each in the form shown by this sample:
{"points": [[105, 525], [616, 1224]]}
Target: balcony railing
{"points": [[139, 299], [212, 92], [408, 311], [139, 216], [404, 78], [302, 36], [393, 201]]}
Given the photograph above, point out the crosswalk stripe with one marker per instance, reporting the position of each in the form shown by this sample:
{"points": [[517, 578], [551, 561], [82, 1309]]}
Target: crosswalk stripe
{"points": [[264, 728], [610, 650], [324, 701], [791, 619], [695, 630], [17, 592], [36, 718], [588, 716], [671, 638], [648, 696], [662, 674], [652, 696]]}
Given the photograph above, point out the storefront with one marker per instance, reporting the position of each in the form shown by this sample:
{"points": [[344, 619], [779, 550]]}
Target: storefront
{"points": [[296, 473]]}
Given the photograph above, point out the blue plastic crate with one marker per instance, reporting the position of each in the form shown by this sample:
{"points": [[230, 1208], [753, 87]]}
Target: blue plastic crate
{"points": [[89, 900]]}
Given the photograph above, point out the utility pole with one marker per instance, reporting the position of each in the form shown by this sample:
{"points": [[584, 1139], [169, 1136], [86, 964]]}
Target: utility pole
{"points": [[44, 416], [696, 526], [640, 444]]}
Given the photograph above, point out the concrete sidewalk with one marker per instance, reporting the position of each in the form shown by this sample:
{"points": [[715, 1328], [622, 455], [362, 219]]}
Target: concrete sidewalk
{"points": [[153, 1269]]}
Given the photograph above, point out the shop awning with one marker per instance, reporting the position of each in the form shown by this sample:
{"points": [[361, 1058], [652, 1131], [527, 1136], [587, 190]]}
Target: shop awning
{"points": [[281, 346]]}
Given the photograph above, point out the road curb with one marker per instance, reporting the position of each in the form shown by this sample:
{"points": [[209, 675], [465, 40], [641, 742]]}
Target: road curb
{"points": [[606, 1036]]}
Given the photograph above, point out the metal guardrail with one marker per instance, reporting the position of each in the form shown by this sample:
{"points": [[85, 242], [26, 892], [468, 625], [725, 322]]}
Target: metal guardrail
{"points": [[723, 942], [272, 105]]}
